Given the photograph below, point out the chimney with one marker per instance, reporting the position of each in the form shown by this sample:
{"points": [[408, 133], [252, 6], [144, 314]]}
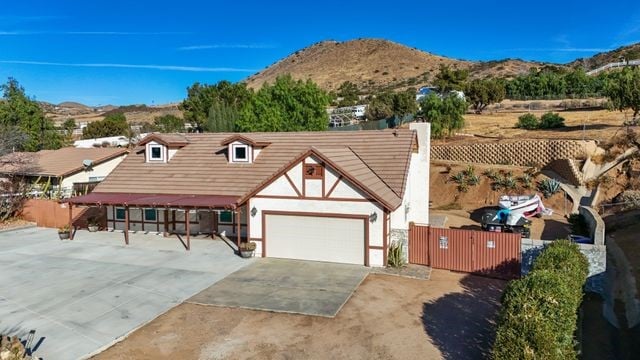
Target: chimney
{"points": [[423, 130]]}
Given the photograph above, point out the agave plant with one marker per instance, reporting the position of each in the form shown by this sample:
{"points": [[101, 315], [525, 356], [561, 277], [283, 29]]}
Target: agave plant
{"points": [[491, 174], [526, 180], [509, 183], [549, 187], [469, 171], [458, 178], [473, 179]]}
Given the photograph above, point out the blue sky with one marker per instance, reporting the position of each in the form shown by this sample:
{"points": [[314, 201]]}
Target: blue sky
{"points": [[124, 52]]}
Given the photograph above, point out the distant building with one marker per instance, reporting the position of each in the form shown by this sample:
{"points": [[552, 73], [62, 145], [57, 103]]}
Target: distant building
{"points": [[65, 171]]}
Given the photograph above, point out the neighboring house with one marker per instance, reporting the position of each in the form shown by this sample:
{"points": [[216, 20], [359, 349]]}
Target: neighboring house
{"points": [[325, 196], [65, 171]]}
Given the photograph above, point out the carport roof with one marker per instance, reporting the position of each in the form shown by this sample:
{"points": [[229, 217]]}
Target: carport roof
{"points": [[155, 200]]}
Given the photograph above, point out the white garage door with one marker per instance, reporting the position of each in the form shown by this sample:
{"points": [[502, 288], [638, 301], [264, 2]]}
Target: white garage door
{"points": [[315, 238]]}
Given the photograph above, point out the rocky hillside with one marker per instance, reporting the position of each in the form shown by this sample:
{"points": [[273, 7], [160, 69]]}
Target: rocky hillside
{"points": [[374, 64], [630, 52]]}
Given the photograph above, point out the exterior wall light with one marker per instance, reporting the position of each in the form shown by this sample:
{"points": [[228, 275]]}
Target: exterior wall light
{"points": [[373, 217], [254, 211]]}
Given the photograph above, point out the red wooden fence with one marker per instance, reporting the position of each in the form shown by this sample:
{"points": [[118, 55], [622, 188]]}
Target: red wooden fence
{"points": [[490, 253], [52, 214]]}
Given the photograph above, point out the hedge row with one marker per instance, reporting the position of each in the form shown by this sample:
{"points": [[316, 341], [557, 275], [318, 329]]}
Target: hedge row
{"points": [[538, 317]]}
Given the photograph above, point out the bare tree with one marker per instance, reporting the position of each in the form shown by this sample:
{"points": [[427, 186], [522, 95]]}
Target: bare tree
{"points": [[13, 165]]}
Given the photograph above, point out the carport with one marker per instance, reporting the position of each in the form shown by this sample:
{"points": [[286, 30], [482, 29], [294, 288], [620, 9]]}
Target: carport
{"points": [[167, 202]]}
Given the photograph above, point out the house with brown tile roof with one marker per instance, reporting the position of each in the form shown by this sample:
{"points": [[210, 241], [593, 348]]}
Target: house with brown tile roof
{"points": [[64, 169], [335, 196]]}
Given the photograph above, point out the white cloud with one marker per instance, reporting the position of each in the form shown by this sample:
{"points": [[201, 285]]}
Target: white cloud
{"points": [[132, 66], [89, 33], [226, 46]]}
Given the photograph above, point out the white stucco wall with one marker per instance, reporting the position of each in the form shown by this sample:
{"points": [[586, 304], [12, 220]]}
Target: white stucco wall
{"points": [[101, 170], [326, 207], [415, 204]]}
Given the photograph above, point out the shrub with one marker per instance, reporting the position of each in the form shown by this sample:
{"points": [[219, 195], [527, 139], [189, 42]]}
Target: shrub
{"points": [[551, 121], [473, 179], [630, 200], [536, 320], [528, 121], [458, 178], [539, 312], [549, 187], [565, 258], [395, 258]]}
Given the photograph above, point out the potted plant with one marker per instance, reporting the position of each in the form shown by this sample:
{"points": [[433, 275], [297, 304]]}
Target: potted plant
{"points": [[64, 232], [247, 249], [93, 224]]}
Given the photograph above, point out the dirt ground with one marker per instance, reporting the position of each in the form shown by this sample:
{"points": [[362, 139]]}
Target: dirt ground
{"points": [[450, 316], [580, 124], [464, 209]]}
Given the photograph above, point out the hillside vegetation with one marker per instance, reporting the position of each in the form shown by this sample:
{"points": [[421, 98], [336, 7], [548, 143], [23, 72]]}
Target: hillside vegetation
{"points": [[374, 64]]}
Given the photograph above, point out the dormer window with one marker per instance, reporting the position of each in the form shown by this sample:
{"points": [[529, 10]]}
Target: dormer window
{"points": [[240, 153], [156, 152]]}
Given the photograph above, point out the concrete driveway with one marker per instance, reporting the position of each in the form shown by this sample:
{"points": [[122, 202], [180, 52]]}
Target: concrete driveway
{"points": [[292, 286], [82, 295]]}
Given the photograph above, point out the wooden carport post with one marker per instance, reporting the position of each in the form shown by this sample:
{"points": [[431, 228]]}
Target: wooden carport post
{"points": [[238, 228], [126, 225], [70, 221], [187, 215], [166, 222]]}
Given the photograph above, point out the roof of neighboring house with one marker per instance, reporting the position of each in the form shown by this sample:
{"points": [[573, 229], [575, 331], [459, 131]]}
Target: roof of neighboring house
{"points": [[59, 163], [376, 161]]}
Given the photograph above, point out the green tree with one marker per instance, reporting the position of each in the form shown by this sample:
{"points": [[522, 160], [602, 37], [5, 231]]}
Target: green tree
{"points": [[449, 79], [114, 124], [168, 123], [222, 117], [287, 105], [200, 99], [482, 93], [445, 114], [69, 125], [348, 91], [623, 89], [388, 104], [20, 111], [380, 106]]}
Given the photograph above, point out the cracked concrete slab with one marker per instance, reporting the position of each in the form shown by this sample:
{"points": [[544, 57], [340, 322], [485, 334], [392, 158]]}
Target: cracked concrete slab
{"points": [[291, 286]]}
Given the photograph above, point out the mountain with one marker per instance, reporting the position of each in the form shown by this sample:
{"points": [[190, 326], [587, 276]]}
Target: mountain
{"points": [[374, 64], [629, 52]]}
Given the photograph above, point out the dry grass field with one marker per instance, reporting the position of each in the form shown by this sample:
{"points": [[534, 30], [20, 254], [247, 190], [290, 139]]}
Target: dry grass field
{"points": [[597, 124]]}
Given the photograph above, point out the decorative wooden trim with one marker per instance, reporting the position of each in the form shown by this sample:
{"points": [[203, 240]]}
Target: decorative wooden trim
{"points": [[376, 247], [295, 188], [314, 198], [364, 218], [255, 239], [334, 186], [328, 161]]}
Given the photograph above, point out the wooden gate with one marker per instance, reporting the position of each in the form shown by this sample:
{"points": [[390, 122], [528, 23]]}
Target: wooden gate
{"points": [[489, 253]]}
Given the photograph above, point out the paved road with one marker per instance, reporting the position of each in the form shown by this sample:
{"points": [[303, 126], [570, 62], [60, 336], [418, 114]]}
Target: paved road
{"points": [[82, 295]]}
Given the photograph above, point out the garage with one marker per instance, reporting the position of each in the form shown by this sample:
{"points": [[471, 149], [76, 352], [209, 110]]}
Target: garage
{"points": [[316, 237]]}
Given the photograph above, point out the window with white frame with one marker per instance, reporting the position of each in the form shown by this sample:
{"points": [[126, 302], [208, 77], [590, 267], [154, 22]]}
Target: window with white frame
{"points": [[156, 153], [150, 215], [120, 213], [239, 153], [225, 217]]}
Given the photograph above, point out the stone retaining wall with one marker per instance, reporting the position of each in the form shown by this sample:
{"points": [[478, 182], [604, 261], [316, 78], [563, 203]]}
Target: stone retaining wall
{"points": [[514, 152], [568, 170]]}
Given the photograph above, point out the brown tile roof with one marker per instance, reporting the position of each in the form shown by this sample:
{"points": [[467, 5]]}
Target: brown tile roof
{"points": [[165, 139], [62, 162], [378, 160]]}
